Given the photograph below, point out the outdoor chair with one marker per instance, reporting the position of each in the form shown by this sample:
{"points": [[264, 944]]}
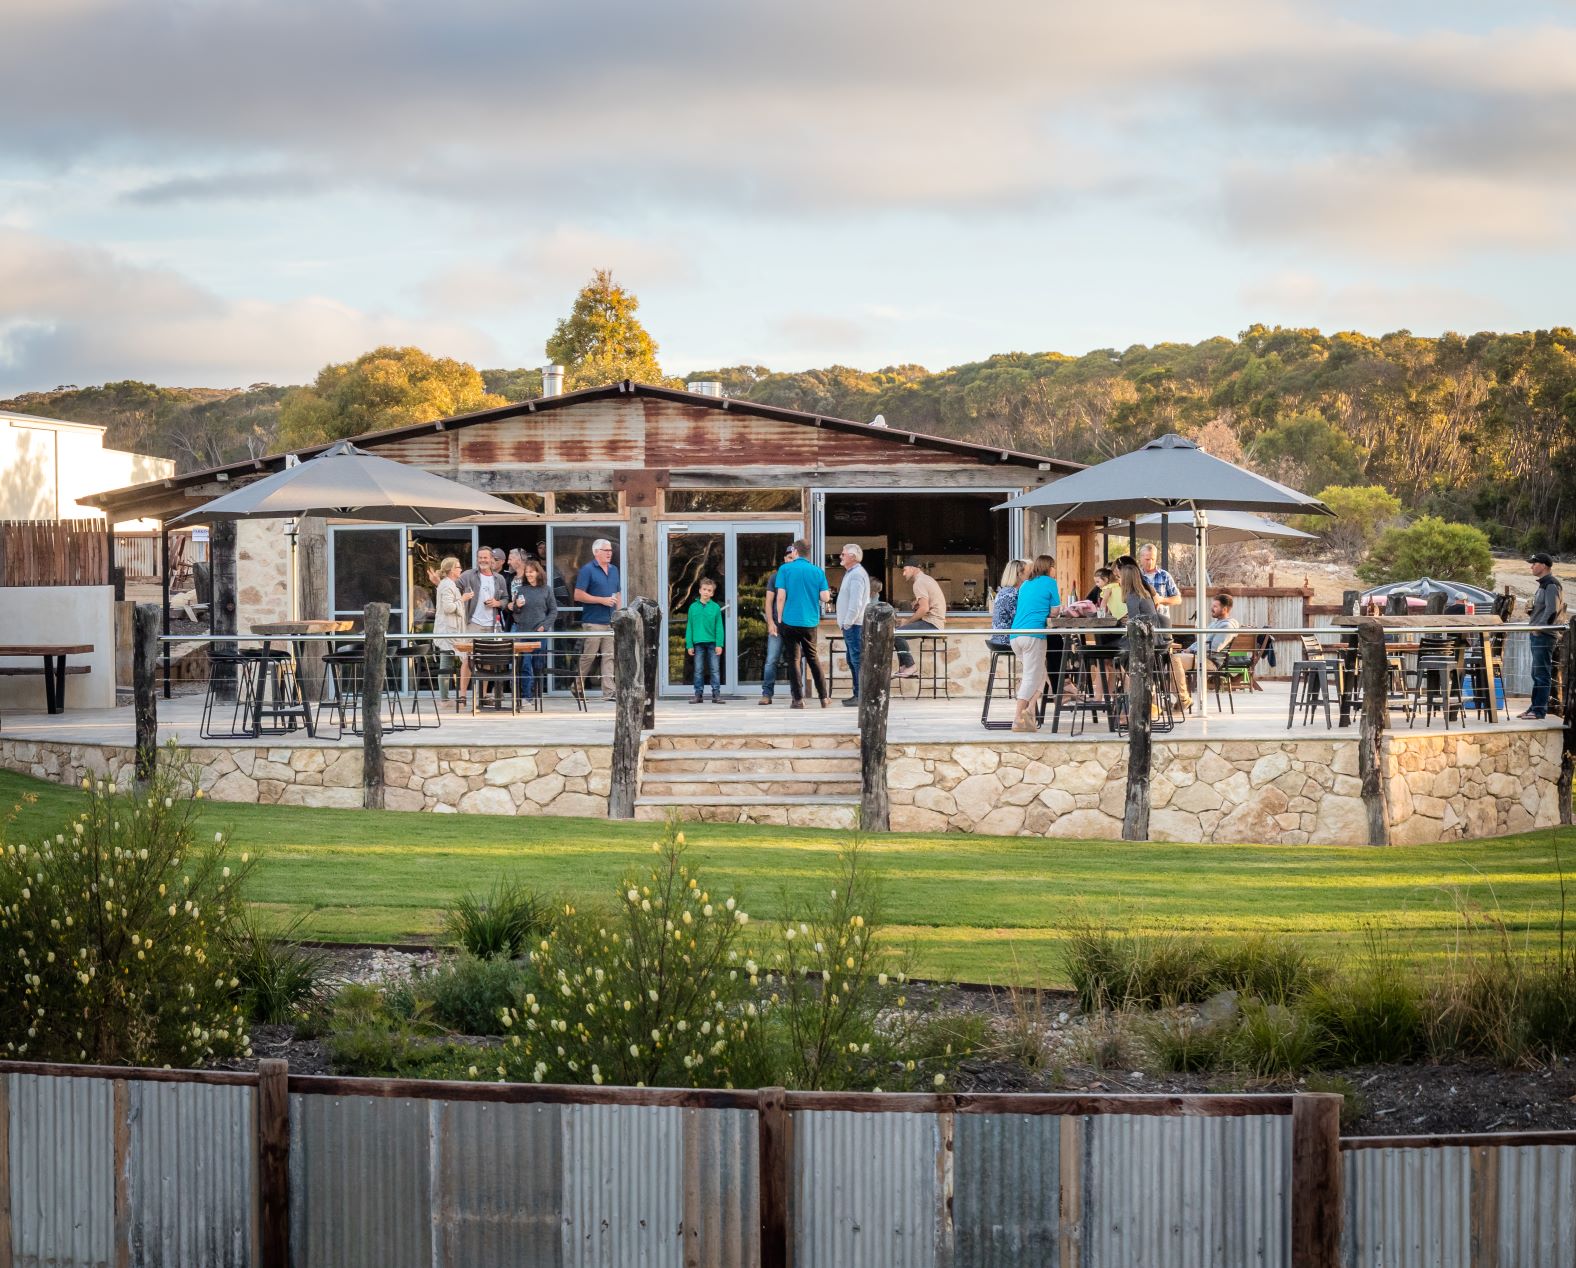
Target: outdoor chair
{"points": [[1475, 685], [1231, 668], [232, 680], [493, 665], [1009, 680]]}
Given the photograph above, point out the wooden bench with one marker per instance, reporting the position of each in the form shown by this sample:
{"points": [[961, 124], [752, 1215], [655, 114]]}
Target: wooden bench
{"points": [[53, 669]]}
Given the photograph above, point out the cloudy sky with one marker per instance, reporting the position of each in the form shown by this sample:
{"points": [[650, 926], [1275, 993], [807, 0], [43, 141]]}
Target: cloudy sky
{"points": [[217, 192]]}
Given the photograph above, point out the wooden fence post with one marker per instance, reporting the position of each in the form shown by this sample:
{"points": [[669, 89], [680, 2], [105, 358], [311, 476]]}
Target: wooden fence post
{"points": [[1140, 692], [1373, 671], [774, 1132], [273, 1163], [1568, 713], [875, 695], [222, 613], [651, 631], [375, 623], [1316, 1180], [629, 672], [144, 686], [1396, 605], [1349, 601]]}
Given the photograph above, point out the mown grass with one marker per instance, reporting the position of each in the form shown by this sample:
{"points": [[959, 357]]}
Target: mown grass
{"points": [[977, 908]]}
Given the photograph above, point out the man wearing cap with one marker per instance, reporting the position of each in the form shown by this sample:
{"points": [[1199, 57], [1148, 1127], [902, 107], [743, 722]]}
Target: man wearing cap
{"points": [[1547, 606], [930, 613]]}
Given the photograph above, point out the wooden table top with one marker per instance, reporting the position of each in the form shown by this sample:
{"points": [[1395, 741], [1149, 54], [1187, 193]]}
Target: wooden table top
{"points": [[283, 629], [46, 649], [1403, 622]]}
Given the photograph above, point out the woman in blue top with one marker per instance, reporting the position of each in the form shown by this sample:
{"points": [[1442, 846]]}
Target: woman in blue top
{"points": [[1037, 597]]}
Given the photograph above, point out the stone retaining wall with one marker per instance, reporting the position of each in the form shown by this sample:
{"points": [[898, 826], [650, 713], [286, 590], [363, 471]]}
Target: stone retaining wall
{"points": [[506, 781]]}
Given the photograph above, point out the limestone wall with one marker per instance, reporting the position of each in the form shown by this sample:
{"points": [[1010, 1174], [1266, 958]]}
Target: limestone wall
{"points": [[1482, 784], [262, 572], [506, 781]]}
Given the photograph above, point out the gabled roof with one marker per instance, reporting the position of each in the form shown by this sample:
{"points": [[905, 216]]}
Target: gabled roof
{"points": [[547, 404]]}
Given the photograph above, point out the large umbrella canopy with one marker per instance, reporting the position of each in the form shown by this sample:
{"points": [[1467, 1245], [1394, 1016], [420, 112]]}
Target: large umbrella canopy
{"points": [[1425, 586], [1224, 526], [1168, 474], [344, 482]]}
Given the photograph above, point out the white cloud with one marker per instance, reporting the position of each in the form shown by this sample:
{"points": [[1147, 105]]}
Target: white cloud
{"points": [[1293, 298], [70, 313]]}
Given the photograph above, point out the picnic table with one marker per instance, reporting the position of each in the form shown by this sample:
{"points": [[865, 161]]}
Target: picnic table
{"points": [[54, 667], [1401, 624]]}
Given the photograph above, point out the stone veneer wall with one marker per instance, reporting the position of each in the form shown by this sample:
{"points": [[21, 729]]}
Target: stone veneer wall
{"points": [[1285, 792], [505, 781], [262, 572]]}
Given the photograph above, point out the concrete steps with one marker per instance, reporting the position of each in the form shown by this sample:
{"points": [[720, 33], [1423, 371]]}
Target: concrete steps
{"points": [[805, 781]]}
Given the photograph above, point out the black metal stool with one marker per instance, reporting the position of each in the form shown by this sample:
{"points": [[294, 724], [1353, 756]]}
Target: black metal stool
{"points": [[232, 679], [1315, 679], [1089, 666], [1010, 678], [1438, 681], [276, 693], [422, 669]]}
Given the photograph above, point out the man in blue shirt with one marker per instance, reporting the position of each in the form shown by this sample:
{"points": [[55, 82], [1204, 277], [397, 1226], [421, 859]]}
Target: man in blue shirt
{"points": [[597, 592], [801, 590], [1167, 596]]}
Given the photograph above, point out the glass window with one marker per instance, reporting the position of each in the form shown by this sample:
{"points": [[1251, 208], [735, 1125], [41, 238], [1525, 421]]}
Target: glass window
{"points": [[429, 547], [733, 501], [526, 501], [367, 568], [571, 548], [601, 502]]}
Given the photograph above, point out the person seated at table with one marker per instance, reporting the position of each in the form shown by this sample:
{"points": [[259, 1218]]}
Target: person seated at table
{"points": [[930, 613], [533, 609], [1006, 604], [1183, 662], [1108, 594], [1037, 597], [448, 617]]}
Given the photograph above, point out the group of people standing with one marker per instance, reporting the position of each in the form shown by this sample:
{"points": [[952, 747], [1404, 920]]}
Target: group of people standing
{"points": [[512, 593]]}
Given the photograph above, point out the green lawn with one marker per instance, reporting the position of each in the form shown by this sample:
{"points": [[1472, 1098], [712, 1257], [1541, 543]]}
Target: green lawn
{"points": [[977, 908]]}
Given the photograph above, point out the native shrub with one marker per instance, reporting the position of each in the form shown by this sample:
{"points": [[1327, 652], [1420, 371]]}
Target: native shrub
{"points": [[114, 933]]}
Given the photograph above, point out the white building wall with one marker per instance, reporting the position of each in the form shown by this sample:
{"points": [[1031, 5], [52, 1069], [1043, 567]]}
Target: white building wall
{"points": [[59, 616], [46, 464]]}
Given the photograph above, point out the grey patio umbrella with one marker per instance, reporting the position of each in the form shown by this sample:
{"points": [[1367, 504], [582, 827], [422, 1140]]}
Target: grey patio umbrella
{"points": [[1224, 526], [344, 482], [1168, 474]]}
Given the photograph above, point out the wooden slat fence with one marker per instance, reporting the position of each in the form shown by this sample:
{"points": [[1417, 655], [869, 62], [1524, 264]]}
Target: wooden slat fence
{"points": [[53, 553]]}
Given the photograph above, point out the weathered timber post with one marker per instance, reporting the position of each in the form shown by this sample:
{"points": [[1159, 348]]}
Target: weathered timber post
{"points": [[222, 613], [311, 583], [1396, 605], [1315, 1180], [775, 1139], [1373, 672], [1140, 692], [375, 624], [629, 671], [144, 686], [1434, 604], [1568, 713], [1349, 601], [273, 1163], [651, 618], [875, 695]]}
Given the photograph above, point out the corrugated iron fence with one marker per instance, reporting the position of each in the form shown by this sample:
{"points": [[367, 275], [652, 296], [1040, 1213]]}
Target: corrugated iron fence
{"points": [[1486, 1201], [140, 1168], [53, 553]]}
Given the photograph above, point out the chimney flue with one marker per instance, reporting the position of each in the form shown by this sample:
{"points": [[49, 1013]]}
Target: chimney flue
{"points": [[706, 387], [552, 380]]}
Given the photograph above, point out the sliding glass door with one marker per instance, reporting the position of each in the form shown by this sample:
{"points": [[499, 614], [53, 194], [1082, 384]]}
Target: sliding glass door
{"points": [[739, 556]]}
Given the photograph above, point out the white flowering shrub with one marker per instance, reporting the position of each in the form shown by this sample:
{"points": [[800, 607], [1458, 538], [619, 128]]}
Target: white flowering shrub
{"points": [[112, 933], [659, 992]]}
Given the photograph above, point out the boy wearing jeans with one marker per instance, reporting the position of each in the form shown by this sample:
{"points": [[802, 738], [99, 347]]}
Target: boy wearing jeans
{"points": [[703, 640]]}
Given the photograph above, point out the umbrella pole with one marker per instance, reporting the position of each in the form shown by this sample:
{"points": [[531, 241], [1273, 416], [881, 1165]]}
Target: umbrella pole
{"points": [[1200, 652]]}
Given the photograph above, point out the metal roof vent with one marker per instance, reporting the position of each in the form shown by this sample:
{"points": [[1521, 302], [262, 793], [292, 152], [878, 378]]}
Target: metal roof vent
{"points": [[552, 380], [706, 387]]}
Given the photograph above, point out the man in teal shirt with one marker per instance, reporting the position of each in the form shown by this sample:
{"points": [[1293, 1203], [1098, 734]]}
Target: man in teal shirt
{"points": [[801, 590]]}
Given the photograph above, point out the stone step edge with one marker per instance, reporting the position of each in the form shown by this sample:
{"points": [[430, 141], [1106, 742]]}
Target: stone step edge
{"points": [[732, 754], [787, 799], [745, 777]]}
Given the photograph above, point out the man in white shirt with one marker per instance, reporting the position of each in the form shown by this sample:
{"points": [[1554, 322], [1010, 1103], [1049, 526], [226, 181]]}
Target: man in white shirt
{"points": [[853, 596], [488, 594]]}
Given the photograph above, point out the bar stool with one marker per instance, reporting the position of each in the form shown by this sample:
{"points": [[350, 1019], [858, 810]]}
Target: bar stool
{"points": [[1316, 680], [1009, 679], [422, 671], [232, 680], [1090, 665], [276, 693], [1438, 681]]}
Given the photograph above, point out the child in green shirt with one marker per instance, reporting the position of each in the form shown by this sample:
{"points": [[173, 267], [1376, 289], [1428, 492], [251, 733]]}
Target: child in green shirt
{"points": [[703, 640]]}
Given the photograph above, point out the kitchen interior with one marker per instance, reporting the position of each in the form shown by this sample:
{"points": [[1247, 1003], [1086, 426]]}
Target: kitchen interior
{"points": [[953, 536]]}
